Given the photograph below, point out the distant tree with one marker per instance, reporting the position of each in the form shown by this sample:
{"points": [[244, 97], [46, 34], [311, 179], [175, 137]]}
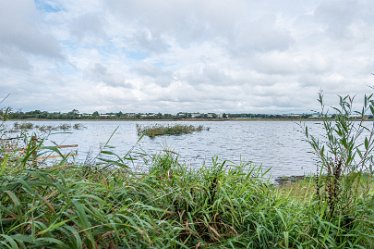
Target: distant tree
{"points": [[74, 112], [95, 114]]}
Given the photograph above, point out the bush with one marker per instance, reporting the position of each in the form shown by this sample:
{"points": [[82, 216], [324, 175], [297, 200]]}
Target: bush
{"points": [[345, 152]]}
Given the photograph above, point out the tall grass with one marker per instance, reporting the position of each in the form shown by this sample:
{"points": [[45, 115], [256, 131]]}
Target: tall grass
{"points": [[171, 206]]}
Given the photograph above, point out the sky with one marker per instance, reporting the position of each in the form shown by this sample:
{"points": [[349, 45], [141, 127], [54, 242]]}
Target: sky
{"points": [[236, 56]]}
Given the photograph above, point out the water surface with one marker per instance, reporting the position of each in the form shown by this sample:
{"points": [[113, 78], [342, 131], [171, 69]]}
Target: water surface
{"points": [[277, 145]]}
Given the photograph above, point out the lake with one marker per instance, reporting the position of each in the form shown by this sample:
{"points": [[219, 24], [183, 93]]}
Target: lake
{"points": [[277, 145]]}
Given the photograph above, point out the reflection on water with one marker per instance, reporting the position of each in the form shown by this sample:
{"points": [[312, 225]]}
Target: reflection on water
{"points": [[277, 145]]}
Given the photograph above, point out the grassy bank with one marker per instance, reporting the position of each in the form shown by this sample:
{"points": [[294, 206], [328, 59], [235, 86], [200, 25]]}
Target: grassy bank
{"points": [[169, 207], [159, 130]]}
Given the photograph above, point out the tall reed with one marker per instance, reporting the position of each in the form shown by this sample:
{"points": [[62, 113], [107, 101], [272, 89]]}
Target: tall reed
{"points": [[345, 153]]}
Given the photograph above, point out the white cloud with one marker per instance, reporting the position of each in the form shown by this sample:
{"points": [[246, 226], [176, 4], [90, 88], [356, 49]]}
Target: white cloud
{"points": [[184, 55]]}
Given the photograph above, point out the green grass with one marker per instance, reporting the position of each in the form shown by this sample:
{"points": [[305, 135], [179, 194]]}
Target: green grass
{"points": [[171, 206], [159, 130]]}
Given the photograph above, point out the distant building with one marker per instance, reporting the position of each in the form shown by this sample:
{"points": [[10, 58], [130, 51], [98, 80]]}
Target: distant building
{"points": [[182, 114], [359, 116], [130, 115], [196, 115], [108, 115], [211, 115]]}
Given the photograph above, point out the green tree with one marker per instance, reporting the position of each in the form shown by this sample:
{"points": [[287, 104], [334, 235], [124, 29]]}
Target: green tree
{"points": [[95, 114]]}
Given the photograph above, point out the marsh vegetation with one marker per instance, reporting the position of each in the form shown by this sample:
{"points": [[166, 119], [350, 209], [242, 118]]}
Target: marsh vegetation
{"points": [[160, 130], [28, 126]]}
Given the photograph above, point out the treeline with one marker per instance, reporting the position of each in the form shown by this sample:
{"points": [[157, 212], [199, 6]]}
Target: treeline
{"points": [[37, 114], [75, 114]]}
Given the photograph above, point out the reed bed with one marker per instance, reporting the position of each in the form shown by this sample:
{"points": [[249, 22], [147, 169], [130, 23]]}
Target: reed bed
{"points": [[171, 206], [160, 130], [22, 127]]}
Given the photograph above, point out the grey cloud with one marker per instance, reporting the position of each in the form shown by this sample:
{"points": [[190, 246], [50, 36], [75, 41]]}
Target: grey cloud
{"points": [[100, 73], [261, 35], [209, 74], [29, 42], [233, 25], [145, 40], [21, 34], [338, 16], [290, 63], [159, 16], [13, 59], [89, 24], [160, 76]]}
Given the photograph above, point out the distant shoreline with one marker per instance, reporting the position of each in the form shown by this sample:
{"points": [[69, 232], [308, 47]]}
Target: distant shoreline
{"points": [[182, 120]]}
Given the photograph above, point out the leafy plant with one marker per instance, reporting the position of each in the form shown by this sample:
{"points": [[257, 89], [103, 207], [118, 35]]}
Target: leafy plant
{"points": [[345, 152]]}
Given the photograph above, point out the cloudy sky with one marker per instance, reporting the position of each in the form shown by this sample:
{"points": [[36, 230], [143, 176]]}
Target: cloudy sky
{"points": [[183, 55]]}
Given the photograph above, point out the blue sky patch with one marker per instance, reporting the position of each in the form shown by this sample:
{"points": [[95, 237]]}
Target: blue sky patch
{"points": [[47, 6], [136, 55]]}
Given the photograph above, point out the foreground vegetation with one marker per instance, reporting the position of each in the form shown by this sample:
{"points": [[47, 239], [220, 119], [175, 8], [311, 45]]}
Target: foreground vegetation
{"points": [[159, 130], [106, 204], [169, 207]]}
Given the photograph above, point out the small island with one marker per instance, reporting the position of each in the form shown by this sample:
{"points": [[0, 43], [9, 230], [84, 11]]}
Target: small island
{"points": [[159, 130]]}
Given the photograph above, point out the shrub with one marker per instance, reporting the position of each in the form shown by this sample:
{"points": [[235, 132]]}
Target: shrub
{"points": [[345, 154]]}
